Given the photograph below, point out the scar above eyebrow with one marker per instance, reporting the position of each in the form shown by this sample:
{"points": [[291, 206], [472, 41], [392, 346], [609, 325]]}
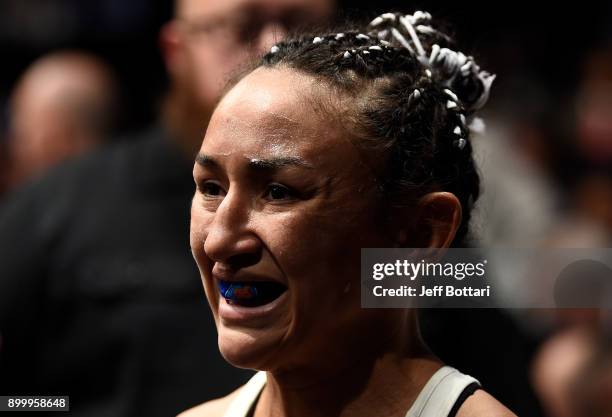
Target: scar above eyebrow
{"points": [[278, 162], [258, 163]]}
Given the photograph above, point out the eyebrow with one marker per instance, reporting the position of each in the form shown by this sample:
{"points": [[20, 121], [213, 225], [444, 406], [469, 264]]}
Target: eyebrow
{"points": [[270, 164]]}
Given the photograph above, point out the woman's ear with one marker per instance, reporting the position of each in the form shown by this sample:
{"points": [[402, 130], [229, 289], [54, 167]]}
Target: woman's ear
{"points": [[433, 223]]}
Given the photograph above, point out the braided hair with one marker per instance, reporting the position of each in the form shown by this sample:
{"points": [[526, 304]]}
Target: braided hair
{"points": [[410, 94]]}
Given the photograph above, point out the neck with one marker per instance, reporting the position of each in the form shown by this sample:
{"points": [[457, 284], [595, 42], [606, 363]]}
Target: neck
{"points": [[185, 121], [384, 380]]}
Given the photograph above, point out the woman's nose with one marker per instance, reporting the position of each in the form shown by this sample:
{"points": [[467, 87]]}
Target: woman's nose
{"points": [[228, 236]]}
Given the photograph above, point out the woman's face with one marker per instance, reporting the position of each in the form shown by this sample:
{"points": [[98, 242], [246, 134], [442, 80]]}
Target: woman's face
{"points": [[284, 202]]}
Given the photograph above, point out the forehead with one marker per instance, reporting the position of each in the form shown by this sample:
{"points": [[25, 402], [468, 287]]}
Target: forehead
{"points": [[272, 111]]}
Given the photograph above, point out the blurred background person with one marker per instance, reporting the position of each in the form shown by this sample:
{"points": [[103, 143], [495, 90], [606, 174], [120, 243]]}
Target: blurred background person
{"points": [[592, 388], [591, 192], [572, 371], [100, 297], [593, 107], [63, 105], [208, 41]]}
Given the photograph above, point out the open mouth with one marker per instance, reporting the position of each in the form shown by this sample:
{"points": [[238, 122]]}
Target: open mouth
{"points": [[250, 293]]}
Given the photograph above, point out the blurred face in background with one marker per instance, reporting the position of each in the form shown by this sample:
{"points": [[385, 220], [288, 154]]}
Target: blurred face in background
{"points": [[62, 106], [594, 108], [210, 39]]}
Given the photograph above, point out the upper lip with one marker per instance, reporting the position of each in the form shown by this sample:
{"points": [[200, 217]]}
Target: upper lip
{"points": [[224, 273]]}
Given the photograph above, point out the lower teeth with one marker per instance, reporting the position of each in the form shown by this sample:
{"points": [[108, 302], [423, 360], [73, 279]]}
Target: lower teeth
{"points": [[250, 294]]}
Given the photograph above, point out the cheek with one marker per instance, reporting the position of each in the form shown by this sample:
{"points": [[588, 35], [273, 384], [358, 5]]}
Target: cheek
{"points": [[320, 254], [329, 238]]}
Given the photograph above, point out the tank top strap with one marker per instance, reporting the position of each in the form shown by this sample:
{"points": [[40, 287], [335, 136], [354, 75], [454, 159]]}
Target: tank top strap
{"points": [[439, 395], [247, 397]]}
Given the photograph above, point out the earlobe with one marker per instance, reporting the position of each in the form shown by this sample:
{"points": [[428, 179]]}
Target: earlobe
{"points": [[438, 218]]}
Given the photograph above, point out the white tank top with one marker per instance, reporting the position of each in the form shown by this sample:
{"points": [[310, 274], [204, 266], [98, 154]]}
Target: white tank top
{"points": [[436, 399]]}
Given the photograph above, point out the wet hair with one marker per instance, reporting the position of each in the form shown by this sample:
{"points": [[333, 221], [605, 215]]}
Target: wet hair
{"points": [[403, 89]]}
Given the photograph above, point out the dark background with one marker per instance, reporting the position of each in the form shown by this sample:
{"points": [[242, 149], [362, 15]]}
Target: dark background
{"points": [[544, 41]]}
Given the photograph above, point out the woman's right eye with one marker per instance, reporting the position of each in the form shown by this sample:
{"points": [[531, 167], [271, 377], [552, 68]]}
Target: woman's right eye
{"points": [[211, 189]]}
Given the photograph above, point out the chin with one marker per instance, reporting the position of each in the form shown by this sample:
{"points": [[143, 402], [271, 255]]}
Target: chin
{"points": [[249, 349]]}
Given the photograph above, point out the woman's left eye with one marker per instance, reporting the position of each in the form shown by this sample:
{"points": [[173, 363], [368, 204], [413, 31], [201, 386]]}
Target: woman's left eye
{"points": [[279, 192]]}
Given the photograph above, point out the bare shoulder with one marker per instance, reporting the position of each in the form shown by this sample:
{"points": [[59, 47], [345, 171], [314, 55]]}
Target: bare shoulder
{"points": [[213, 408], [482, 404]]}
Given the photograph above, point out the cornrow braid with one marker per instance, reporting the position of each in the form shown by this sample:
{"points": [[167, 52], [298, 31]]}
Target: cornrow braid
{"points": [[411, 95]]}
